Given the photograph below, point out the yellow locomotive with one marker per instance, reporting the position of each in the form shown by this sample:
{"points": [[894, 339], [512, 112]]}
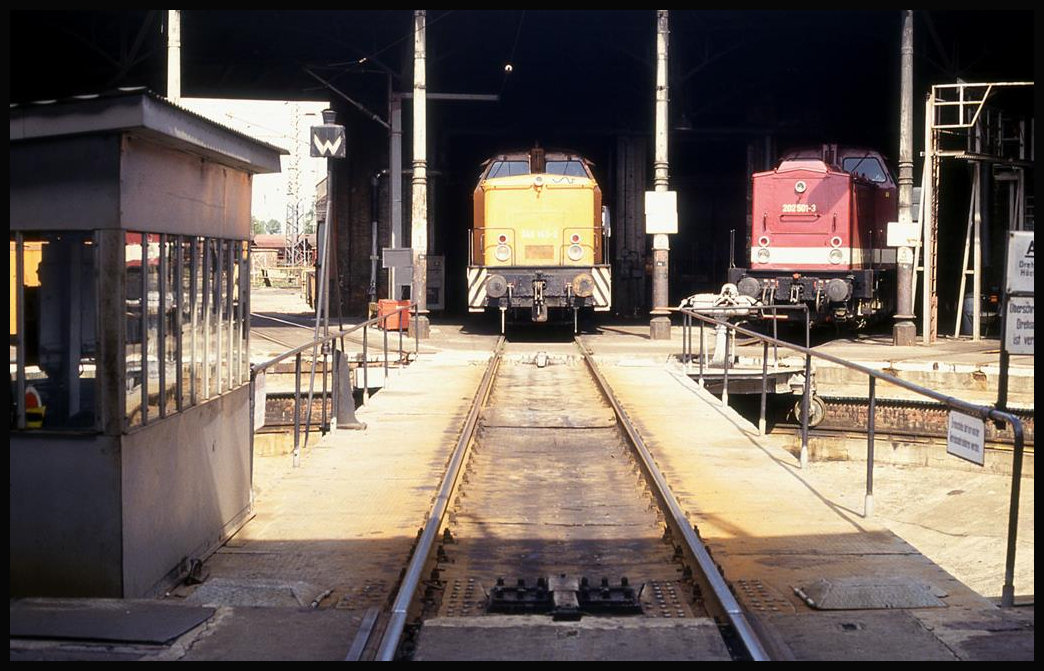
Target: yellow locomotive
{"points": [[538, 246]]}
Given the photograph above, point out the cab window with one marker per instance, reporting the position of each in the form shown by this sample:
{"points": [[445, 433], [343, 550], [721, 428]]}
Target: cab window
{"points": [[867, 167], [570, 168], [507, 169]]}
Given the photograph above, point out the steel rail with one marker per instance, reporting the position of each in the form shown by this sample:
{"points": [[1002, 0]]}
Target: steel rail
{"points": [[733, 612], [392, 636]]}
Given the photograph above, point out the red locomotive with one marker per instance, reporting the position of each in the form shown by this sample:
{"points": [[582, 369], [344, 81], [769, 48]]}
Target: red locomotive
{"points": [[817, 236]]}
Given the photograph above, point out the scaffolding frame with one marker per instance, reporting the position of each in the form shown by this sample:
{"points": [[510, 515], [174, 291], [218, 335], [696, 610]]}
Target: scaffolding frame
{"points": [[989, 137]]}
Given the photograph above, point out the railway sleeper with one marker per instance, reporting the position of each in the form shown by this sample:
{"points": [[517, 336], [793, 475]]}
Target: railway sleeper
{"points": [[565, 598]]}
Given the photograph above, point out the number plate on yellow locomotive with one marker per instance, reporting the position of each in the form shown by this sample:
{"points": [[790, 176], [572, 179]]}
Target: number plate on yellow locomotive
{"points": [[539, 253]]}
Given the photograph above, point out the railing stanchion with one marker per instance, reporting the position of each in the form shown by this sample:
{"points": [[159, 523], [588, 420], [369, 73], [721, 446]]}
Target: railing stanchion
{"points": [[868, 505], [366, 362], [297, 410], [687, 340], [326, 369], [701, 351], [725, 367], [805, 400], [1008, 591], [764, 385]]}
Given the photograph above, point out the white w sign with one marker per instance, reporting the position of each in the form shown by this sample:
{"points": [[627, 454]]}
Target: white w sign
{"points": [[328, 141]]}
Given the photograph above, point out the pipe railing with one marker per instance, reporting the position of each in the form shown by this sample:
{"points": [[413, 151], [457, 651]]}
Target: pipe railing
{"points": [[325, 346], [743, 310], [982, 412]]}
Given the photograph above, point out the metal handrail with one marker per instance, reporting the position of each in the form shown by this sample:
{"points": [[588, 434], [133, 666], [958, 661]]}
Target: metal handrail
{"points": [[327, 345], [982, 412], [687, 353]]}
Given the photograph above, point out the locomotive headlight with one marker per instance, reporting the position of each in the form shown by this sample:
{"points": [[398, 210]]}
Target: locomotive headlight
{"points": [[763, 241], [502, 252], [837, 290], [748, 286], [575, 252], [496, 286], [835, 255], [763, 255], [583, 285], [800, 186]]}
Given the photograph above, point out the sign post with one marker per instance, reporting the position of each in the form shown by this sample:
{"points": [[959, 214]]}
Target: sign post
{"points": [[326, 141], [1017, 325], [1017, 338]]}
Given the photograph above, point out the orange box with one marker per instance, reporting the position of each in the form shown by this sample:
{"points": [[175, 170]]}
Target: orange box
{"points": [[398, 321]]}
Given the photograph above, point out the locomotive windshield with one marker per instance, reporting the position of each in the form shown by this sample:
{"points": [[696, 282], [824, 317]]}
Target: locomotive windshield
{"points": [[865, 166], [508, 169], [570, 168], [513, 168]]}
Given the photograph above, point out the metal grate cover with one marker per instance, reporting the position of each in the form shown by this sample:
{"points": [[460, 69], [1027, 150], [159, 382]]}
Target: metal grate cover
{"points": [[869, 593]]}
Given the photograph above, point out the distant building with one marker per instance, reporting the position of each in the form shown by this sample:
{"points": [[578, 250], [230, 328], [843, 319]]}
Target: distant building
{"points": [[270, 250]]}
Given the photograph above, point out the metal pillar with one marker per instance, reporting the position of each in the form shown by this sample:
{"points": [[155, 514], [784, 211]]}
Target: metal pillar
{"points": [[660, 324], [929, 223], [904, 332], [174, 55], [395, 185], [419, 221]]}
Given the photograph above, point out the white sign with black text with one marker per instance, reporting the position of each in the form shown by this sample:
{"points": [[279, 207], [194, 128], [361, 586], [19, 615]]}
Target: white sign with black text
{"points": [[966, 437], [1020, 262], [1018, 325], [260, 400]]}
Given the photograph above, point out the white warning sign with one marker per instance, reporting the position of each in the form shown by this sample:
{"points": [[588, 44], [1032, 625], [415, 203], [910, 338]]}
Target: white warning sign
{"points": [[260, 400], [966, 437], [1020, 262], [661, 212], [1018, 325]]}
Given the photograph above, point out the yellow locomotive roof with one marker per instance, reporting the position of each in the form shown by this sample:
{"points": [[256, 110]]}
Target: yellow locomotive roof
{"points": [[545, 180], [537, 167]]}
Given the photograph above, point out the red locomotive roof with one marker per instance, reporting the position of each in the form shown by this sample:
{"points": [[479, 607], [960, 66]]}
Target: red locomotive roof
{"points": [[814, 165]]}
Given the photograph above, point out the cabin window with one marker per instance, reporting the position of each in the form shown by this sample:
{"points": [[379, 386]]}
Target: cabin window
{"points": [[187, 342], [508, 169], [53, 336], [569, 168], [865, 166]]}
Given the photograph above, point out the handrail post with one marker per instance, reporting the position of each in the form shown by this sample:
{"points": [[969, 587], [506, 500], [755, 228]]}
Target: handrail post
{"points": [[701, 352], [775, 336], [725, 364], [399, 315], [335, 371], [297, 410], [764, 385], [326, 370], [868, 502], [687, 340], [803, 456], [684, 352], [1008, 591], [366, 361]]}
